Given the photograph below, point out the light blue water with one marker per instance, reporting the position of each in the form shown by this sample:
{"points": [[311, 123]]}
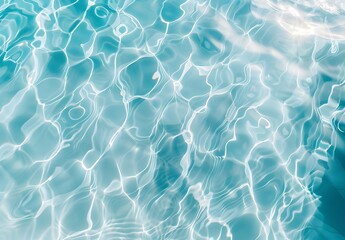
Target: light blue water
{"points": [[191, 119]]}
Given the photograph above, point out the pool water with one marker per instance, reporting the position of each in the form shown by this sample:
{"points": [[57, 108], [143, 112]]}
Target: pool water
{"points": [[191, 119]]}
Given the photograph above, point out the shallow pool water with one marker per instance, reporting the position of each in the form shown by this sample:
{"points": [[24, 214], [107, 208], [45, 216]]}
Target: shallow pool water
{"points": [[191, 119]]}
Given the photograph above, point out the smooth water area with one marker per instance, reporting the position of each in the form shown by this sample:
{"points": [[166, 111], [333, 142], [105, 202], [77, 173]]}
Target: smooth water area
{"points": [[166, 119]]}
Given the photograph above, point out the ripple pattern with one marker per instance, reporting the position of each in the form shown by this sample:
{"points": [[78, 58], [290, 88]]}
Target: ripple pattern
{"points": [[191, 119]]}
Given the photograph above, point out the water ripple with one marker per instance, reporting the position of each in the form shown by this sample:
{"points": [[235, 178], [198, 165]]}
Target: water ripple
{"points": [[172, 119]]}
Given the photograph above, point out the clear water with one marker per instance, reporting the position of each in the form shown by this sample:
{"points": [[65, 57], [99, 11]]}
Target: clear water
{"points": [[191, 119]]}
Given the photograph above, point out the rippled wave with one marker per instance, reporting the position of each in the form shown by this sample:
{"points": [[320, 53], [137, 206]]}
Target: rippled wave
{"points": [[193, 119]]}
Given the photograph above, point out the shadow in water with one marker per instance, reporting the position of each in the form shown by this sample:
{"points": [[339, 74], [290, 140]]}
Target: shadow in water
{"points": [[332, 191]]}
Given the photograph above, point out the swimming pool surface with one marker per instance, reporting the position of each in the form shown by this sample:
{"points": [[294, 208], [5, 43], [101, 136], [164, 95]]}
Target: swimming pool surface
{"points": [[172, 119]]}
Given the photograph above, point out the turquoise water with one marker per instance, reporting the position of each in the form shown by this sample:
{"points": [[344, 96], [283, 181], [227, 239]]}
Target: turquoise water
{"points": [[191, 119]]}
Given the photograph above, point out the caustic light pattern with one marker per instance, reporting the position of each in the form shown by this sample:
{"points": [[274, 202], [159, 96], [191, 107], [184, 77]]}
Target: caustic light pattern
{"points": [[166, 119]]}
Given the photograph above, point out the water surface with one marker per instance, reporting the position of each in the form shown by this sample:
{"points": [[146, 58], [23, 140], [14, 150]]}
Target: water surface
{"points": [[191, 119]]}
